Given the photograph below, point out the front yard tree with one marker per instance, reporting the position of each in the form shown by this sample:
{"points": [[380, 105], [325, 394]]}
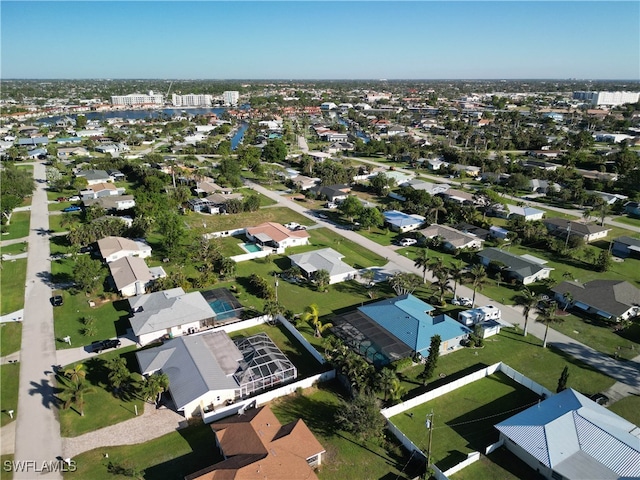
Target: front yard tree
{"points": [[361, 417], [457, 274], [275, 151], [604, 261], [422, 261], [118, 372], [387, 379], [172, 229], [76, 374], [432, 360], [405, 282], [370, 217], [547, 315], [527, 300], [87, 273], [154, 385], [322, 278], [479, 278], [351, 207], [75, 393], [381, 183]]}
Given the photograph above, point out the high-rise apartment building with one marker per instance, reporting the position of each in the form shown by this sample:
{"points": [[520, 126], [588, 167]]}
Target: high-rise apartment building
{"points": [[138, 99], [231, 97], [607, 98], [192, 100]]}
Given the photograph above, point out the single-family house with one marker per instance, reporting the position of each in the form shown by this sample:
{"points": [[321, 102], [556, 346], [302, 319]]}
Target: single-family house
{"points": [[611, 299], [513, 211], [632, 208], [397, 328], [257, 442], [112, 148], [169, 313], [479, 232], [132, 276], [32, 142], [543, 186], [95, 176], [402, 222], [275, 235], [68, 152], [337, 147], [37, 153], [115, 202], [524, 269], [469, 170], [304, 183], [498, 233], [207, 187], [457, 196], [452, 239], [117, 175], [325, 259], [99, 190], [114, 248], [624, 247], [209, 369], [319, 156], [562, 228], [333, 193], [609, 198], [434, 164], [568, 436], [429, 187]]}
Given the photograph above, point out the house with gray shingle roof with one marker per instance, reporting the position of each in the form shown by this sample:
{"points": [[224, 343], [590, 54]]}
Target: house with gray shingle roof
{"points": [[626, 247], [325, 259], [569, 436], [611, 299], [525, 269], [169, 312], [132, 276], [452, 239], [561, 227]]}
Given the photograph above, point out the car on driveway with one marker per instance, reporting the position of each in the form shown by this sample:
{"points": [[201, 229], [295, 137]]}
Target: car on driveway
{"points": [[407, 242], [72, 208], [321, 215], [100, 345], [75, 198], [57, 300], [462, 301]]}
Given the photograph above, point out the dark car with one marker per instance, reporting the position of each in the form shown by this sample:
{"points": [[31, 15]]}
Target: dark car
{"points": [[600, 398], [99, 346], [72, 208], [57, 300]]}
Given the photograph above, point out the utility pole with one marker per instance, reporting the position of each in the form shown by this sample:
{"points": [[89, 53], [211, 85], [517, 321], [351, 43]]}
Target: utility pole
{"points": [[429, 424]]}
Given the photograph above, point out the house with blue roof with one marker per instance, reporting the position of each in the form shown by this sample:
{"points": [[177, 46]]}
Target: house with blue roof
{"points": [[402, 222], [569, 436], [409, 319]]}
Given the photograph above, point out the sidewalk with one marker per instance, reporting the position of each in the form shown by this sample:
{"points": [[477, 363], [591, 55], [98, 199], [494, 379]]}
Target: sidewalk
{"points": [[153, 423], [12, 317]]}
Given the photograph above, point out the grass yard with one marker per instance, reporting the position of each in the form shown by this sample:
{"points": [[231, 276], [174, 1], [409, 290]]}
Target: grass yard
{"points": [[10, 337], [464, 418], [264, 200], [218, 223], [18, 227], [55, 221], [15, 249], [347, 457], [633, 221], [12, 281], [600, 335], [111, 319], [354, 254], [628, 408], [543, 365], [501, 464], [9, 379], [172, 456], [101, 408]]}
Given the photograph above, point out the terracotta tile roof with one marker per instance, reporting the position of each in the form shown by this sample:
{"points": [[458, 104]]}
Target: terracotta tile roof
{"points": [[276, 231], [258, 446]]}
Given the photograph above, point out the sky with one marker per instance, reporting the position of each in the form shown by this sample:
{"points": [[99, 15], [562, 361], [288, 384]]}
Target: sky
{"points": [[320, 40]]}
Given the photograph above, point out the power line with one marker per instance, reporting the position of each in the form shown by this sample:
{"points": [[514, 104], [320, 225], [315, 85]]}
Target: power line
{"points": [[487, 417]]}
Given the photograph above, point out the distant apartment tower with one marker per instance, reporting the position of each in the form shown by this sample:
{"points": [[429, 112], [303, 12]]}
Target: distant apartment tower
{"points": [[231, 97], [191, 100], [607, 98], [138, 99]]}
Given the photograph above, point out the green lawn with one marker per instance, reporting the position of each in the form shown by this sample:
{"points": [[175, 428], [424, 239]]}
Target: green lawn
{"points": [[543, 365], [463, 419], [264, 200], [628, 408], [172, 456], [347, 457], [501, 464], [19, 226], [15, 249], [10, 337], [56, 220], [218, 223], [354, 254], [9, 379], [101, 408], [634, 222], [12, 281]]}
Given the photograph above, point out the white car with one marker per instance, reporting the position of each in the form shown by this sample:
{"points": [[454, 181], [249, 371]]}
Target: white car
{"points": [[462, 301], [406, 242], [75, 198]]}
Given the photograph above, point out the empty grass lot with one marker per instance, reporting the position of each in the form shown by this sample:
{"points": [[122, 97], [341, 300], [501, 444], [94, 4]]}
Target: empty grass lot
{"points": [[628, 408], [10, 337], [172, 456], [464, 419], [15, 249], [219, 223], [347, 457], [543, 365], [18, 227], [12, 281], [9, 379]]}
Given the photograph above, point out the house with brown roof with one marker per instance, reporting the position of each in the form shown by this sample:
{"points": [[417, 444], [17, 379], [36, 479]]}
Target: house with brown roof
{"points": [[99, 190], [256, 445], [132, 276], [113, 248], [452, 239], [275, 235]]}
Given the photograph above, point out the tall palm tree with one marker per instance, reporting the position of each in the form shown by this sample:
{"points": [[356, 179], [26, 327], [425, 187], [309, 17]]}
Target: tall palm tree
{"points": [[527, 300], [479, 278], [457, 274], [386, 381], [311, 313], [568, 298], [547, 315], [273, 309], [422, 261], [76, 374], [438, 268], [76, 393], [442, 285], [154, 385], [437, 205]]}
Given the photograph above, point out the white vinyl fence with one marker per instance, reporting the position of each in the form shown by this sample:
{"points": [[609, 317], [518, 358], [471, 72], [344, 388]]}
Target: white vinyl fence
{"points": [[305, 343]]}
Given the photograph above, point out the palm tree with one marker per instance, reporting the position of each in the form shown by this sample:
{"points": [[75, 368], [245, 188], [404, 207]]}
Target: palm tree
{"points": [[437, 205], [479, 278], [118, 372], [76, 393], [422, 261], [76, 373], [457, 274], [438, 268], [547, 315], [527, 300], [568, 298], [386, 381], [273, 309], [154, 385], [322, 278], [368, 276], [443, 285]]}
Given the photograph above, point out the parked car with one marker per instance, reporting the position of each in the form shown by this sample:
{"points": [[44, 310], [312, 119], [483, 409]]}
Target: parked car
{"points": [[462, 301], [100, 345], [600, 399], [72, 208], [406, 242], [61, 199], [57, 300], [321, 215], [75, 198]]}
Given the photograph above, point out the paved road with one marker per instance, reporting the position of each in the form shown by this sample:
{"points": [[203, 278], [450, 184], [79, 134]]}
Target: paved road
{"points": [[37, 427], [625, 372]]}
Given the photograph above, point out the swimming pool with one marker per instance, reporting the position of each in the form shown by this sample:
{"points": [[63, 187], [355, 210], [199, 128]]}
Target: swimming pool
{"points": [[222, 309], [250, 247]]}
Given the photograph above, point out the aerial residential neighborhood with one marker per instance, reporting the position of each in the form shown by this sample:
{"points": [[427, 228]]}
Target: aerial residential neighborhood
{"points": [[355, 278]]}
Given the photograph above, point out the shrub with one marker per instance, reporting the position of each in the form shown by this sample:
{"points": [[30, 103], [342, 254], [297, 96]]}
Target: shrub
{"points": [[402, 364]]}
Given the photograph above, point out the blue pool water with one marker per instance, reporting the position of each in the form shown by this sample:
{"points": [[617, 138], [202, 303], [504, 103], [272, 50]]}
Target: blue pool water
{"points": [[251, 247], [222, 309]]}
